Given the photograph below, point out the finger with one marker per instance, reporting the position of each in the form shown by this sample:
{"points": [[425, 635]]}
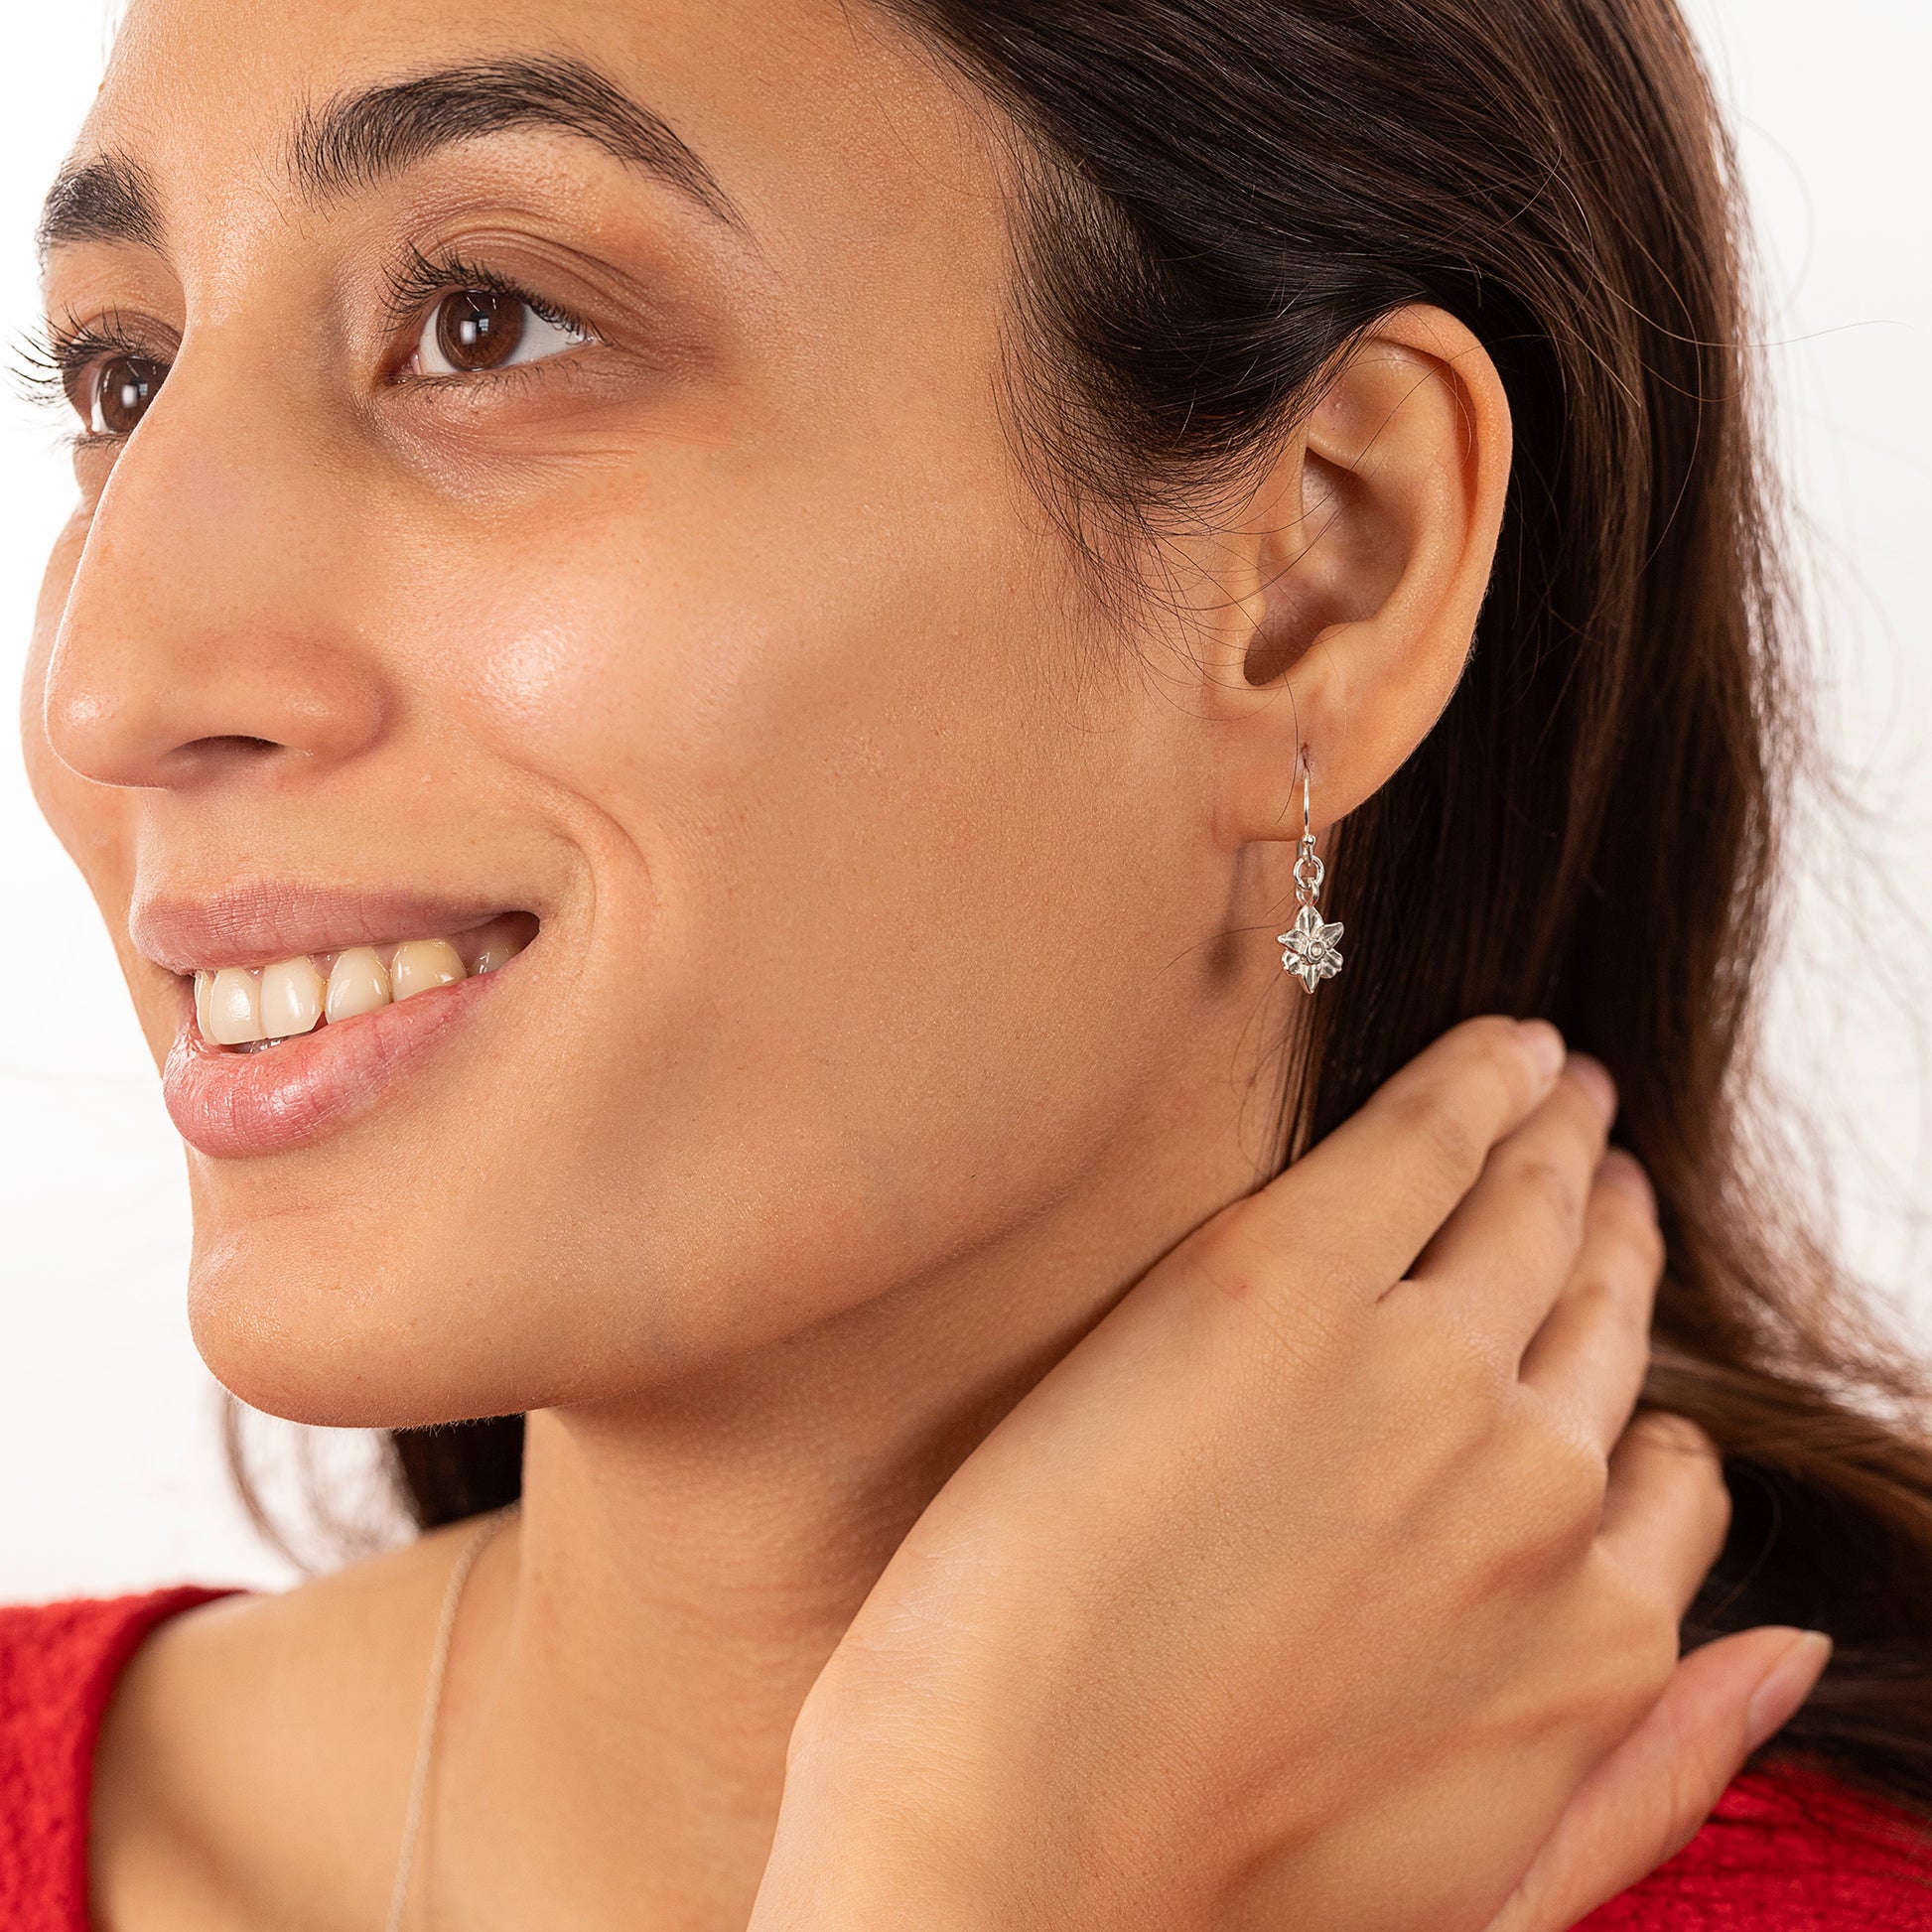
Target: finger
{"points": [[1665, 1508], [1589, 1358], [1648, 1798], [1509, 1248], [1357, 1208]]}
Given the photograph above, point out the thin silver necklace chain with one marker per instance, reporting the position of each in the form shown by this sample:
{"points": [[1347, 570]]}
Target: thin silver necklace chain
{"points": [[439, 1664]]}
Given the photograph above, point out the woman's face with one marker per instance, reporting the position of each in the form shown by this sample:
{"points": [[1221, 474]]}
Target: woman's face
{"points": [[581, 489]]}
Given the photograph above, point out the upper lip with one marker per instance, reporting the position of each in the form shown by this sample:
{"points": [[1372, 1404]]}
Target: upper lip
{"points": [[257, 922]]}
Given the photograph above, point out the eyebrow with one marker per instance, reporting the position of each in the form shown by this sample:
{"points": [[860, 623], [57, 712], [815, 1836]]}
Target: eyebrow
{"points": [[360, 138], [105, 198], [363, 138]]}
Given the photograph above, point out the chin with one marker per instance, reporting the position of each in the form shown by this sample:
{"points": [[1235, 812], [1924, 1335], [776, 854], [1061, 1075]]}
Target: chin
{"points": [[316, 1325], [400, 1305]]}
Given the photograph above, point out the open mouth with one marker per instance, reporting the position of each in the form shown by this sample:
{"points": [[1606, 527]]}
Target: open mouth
{"points": [[255, 1008], [297, 1016]]}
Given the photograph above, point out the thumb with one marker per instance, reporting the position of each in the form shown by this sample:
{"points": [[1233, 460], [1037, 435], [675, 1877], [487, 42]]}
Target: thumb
{"points": [[1648, 1798]]}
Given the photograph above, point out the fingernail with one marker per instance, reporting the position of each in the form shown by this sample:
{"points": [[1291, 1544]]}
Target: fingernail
{"points": [[1596, 1081], [1620, 1170], [1546, 1048], [1785, 1685]]}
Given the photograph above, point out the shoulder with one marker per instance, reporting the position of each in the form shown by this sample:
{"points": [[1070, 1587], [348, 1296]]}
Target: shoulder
{"points": [[249, 1742], [1787, 1851], [130, 1728], [58, 1664]]}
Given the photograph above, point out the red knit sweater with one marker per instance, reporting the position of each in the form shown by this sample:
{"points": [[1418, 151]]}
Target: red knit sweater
{"points": [[1785, 1851]]}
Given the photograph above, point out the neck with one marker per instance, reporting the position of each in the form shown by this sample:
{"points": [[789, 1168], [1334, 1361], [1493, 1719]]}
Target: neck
{"points": [[632, 1656], [635, 1654]]}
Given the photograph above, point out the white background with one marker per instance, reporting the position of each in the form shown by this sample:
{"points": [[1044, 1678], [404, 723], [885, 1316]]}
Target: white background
{"points": [[111, 1473]]}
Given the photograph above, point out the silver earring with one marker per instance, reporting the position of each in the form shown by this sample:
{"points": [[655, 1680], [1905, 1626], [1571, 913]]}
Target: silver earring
{"points": [[1309, 946]]}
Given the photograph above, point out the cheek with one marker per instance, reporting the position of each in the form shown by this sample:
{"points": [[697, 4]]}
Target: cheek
{"points": [[861, 858], [821, 706]]}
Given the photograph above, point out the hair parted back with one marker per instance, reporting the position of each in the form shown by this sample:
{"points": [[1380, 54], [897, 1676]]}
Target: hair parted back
{"points": [[1221, 195]]}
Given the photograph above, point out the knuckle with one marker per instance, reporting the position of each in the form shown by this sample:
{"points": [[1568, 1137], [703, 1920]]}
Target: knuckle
{"points": [[1718, 1511], [1656, 1251], [1496, 1037], [1624, 1175], [1447, 1390], [1228, 1259], [1644, 1638], [1561, 1482], [1290, 1305], [1666, 1433], [1439, 1122], [1698, 1471], [1601, 1301], [1453, 1099], [1680, 1476], [1576, 1473], [1557, 1187], [1618, 1219], [1647, 1248], [1495, 1045], [1465, 1373], [1627, 1646], [1270, 1234], [1606, 1296]]}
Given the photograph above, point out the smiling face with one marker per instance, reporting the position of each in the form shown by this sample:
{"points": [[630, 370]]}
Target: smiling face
{"points": [[545, 489]]}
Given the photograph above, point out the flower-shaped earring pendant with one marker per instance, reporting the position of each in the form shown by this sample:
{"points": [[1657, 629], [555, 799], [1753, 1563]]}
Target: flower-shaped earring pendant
{"points": [[1309, 948]]}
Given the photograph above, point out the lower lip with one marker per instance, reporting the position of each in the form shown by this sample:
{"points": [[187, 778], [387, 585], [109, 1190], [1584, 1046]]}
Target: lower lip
{"points": [[234, 1106]]}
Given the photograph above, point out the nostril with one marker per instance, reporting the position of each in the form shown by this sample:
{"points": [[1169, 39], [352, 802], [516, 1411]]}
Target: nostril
{"points": [[207, 755], [200, 761]]}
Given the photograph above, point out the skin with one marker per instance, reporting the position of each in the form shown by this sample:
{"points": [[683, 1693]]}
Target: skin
{"points": [[903, 989], [1386, 1473]]}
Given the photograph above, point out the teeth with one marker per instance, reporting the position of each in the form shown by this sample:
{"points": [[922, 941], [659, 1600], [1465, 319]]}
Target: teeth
{"points": [[292, 996], [234, 1008], [423, 965], [360, 984], [255, 1008]]}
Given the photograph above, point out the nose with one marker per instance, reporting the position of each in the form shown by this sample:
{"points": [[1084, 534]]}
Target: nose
{"points": [[205, 636]]}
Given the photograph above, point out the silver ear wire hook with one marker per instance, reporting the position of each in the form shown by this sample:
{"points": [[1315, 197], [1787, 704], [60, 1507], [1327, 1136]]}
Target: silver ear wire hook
{"points": [[1308, 947]]}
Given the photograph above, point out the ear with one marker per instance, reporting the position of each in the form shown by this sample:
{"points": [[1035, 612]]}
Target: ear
{"points": [[1356, 583]]}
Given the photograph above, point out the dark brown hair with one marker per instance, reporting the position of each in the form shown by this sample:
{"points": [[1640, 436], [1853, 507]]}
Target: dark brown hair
{"points": [[1219, 196]]}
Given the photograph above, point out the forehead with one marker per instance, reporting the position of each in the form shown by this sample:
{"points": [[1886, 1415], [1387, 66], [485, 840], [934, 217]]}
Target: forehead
{"points": [[766, 112]]}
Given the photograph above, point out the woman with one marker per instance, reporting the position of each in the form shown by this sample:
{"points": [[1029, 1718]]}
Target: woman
{"points": [[702, 650]]}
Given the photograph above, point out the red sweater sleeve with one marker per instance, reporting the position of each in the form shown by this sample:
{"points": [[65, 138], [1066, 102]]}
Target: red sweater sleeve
{"points": [[58, 1669], [1787, 1851]]}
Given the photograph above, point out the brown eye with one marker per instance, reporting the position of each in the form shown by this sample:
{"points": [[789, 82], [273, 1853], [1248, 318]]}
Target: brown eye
{"points": [[123, 387], [475, 331], [479, 328]]}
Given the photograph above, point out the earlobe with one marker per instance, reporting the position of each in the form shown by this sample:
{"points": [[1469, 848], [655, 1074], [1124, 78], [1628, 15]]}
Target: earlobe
{"points": [[1363, 572]]}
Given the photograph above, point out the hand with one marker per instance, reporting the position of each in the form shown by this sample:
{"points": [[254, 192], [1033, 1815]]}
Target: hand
{"points": [[1321, 1585]]}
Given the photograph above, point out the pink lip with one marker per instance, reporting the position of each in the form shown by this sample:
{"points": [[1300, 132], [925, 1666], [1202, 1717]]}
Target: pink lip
{"points": [[232, 1106]]}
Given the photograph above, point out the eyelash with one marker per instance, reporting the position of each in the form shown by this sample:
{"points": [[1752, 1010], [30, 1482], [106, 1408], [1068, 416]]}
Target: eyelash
{"points": [[417, 282], [48, 369]]}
